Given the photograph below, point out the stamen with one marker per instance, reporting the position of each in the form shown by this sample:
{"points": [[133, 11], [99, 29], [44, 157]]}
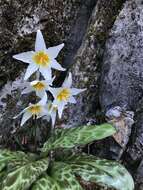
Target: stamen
{"points": [[41, 58], [39, 86], [64, 94], [35, 110]]}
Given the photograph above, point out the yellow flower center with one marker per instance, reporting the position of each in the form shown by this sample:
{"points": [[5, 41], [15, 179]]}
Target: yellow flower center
{"points": [[35, 109], [39, 86], [63, 95], [41, 58]]}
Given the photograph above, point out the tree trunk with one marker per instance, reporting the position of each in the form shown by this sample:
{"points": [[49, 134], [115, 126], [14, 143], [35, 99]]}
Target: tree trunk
{"points": [[103, 50]]}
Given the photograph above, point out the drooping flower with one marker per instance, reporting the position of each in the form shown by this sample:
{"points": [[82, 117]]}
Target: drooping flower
{"points": [[34, 110], [64, 95], [41, 59], [40, 87], [51, 112]]}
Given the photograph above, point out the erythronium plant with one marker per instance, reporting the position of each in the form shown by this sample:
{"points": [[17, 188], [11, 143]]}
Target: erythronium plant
{"points": [[64, 94], [48, 170], [42, 59], [40, 87], [26, 171], [34, 110]]}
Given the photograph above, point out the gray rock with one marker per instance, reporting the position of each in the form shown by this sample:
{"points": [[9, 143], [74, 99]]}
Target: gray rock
{"points": [[87, 60], [122, 76], [122, 79], [122, 120], [138, 178], [135, 148]]}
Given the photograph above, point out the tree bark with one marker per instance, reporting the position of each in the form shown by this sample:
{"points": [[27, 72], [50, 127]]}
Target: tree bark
{"points": [[103, 50]]}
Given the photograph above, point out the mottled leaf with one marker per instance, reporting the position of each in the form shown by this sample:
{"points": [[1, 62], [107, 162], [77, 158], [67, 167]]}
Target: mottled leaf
{"points": [[46, 183], [64, 176], [24, 176], [2, 164], [101, 171], [6, 154], [61, 178], [70, 137], [12, 159], [12, 154]]}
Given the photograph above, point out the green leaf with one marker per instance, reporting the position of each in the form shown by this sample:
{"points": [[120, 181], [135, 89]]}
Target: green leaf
{"points": [[5, 153], [12, 159], [65, 178], [101, 171], [61, 178], [2, 175], [68, 138], [24, 176], [46, 183], [6, 156], [2, 164]]}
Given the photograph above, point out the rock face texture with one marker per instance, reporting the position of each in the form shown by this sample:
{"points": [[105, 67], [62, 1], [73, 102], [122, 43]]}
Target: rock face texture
{"points": [[121, 80], [104, 51], [121, 74]]}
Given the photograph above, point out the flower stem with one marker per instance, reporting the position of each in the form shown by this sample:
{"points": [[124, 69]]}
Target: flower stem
{"points": [[35, 139], [52, 135]]}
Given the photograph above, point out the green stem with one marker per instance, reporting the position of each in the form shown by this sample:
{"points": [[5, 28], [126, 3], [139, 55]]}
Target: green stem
{"points": [[35, 135], [52, 135], [35, 120]]}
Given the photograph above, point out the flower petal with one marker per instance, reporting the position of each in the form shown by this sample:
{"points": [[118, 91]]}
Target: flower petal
{"points": [[43, 101], [72, 100], [40, 43], [30, 70], [20, 113], [34, 82], [44, 112], [48, 83], [40, 94], [55, 91], [25, 117], [61, 108], [56, 65], [27, 90], [54, 51], [25, 57], [68, 81], [53, 117], [46, 72], [76, 91]]}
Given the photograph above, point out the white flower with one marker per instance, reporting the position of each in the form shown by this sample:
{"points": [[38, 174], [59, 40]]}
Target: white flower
{"points": [[41, 59], [64, 94], [36, 110], [40, 87], [51, 112]]}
